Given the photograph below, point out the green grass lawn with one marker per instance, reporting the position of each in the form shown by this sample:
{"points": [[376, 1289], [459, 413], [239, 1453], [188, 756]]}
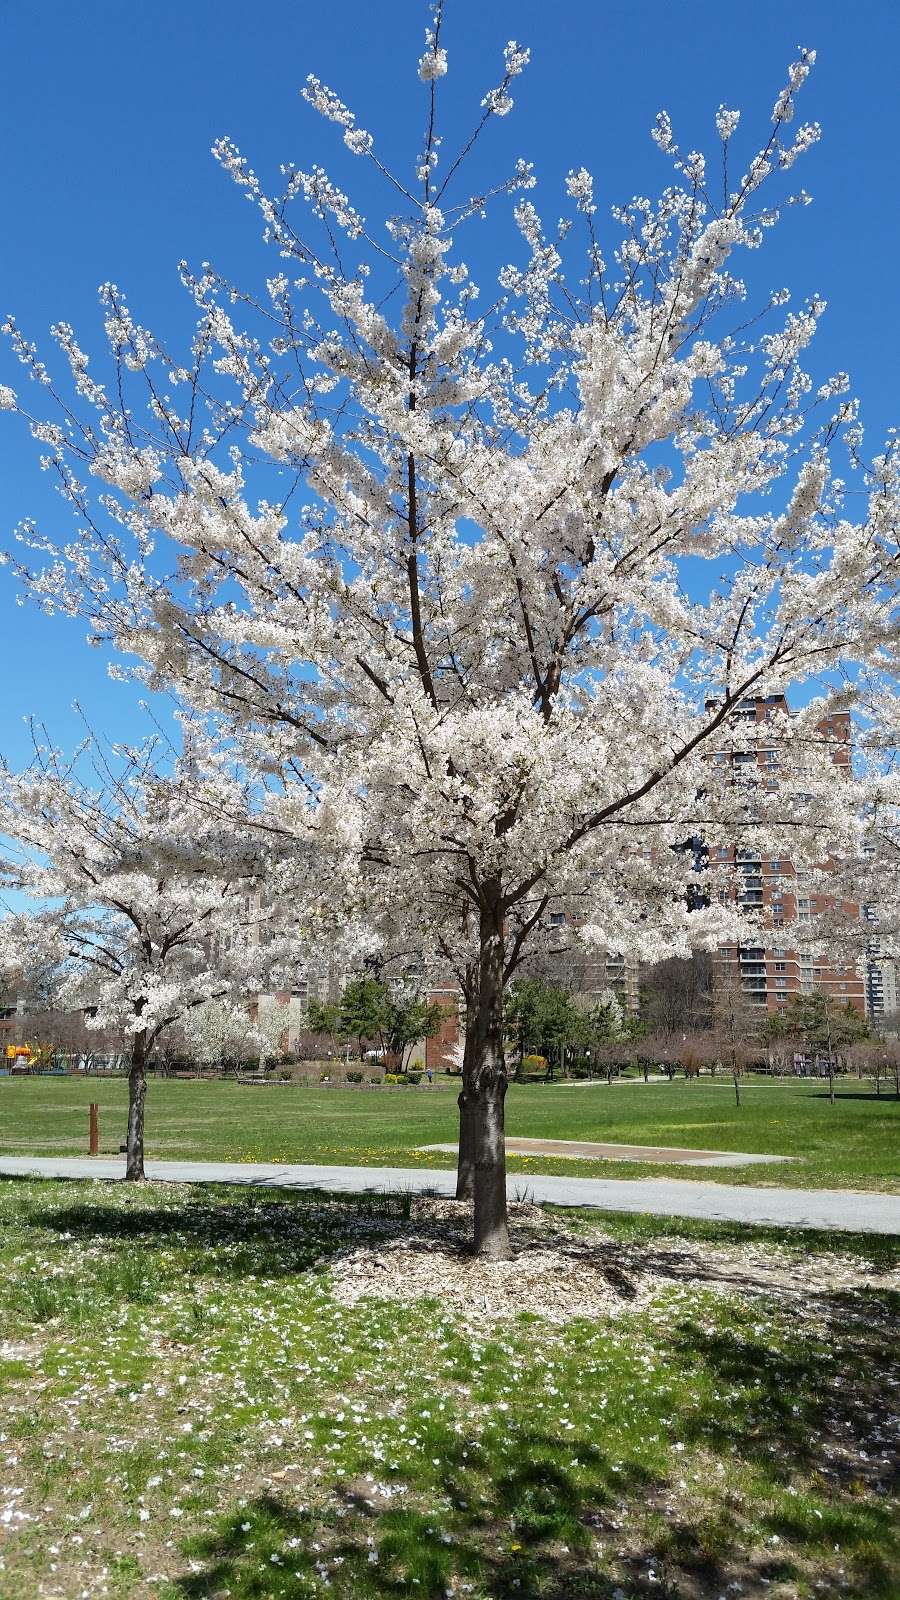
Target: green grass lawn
{"points": [[853, 1144], [187, 1412]]}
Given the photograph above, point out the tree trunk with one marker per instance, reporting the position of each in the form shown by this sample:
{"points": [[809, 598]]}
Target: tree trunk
{"points": [[137, 1093], [491, 1239], [465, 1164], [737, 1090], [485, 1085]]}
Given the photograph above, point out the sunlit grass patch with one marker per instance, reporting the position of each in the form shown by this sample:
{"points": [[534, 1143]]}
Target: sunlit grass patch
{"points": [[852, 1144]]}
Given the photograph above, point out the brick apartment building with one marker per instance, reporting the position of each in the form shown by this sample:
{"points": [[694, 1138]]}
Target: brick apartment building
{"points": [[773, 970]]}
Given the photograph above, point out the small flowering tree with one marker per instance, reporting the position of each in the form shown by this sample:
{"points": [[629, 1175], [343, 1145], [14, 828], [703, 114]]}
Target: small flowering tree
{"points": [[735, 1022], [223, 1030], [144, 908], [485, 585]]}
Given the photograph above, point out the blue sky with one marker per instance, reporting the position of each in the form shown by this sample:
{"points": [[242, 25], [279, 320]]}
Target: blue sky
{"points": [[108, 111]]}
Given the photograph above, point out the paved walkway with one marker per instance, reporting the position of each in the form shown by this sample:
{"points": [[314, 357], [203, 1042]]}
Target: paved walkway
{"points": [[855, 1209]]}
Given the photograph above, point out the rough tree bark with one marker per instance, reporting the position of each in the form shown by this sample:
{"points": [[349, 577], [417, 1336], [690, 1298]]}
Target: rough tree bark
{"points": [[137, 1093], [485, 1088], [491, 1233], [465, 1166]]}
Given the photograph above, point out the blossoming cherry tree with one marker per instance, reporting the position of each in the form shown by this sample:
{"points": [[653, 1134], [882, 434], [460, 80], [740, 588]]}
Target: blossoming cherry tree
{"points": [[484, 581]]}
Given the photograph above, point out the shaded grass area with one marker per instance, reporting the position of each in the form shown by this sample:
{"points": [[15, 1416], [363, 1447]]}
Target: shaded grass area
{"points": [[187, 1412], [853, 1144]]}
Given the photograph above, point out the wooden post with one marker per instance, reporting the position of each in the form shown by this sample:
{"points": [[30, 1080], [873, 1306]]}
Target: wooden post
{"points": [[95, 1129]]}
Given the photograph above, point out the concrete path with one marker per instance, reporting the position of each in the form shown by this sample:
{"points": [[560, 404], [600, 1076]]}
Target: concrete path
{"points": [[853, 1209]]}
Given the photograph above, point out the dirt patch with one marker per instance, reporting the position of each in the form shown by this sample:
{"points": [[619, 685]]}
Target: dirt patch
{"points": [[586, 1150]]}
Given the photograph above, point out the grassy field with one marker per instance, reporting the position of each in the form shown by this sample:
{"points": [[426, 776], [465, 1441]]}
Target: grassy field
{"points": [[188, 1411], [853, 1144]]}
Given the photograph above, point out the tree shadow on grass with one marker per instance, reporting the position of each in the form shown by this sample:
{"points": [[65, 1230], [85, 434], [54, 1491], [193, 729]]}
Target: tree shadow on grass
{"points": [[886, 1098], [821, 1408], [528, 1530], [822, 1404], [236, 1236]]}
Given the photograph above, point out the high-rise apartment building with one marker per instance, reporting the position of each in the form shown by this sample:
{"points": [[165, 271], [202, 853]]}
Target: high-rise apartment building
{"points": [[778, 965]]}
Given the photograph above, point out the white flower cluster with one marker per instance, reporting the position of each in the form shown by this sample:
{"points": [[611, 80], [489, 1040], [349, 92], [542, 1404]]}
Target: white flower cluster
{"points": [[804, 139], [329, 105], [662, 134], [580, 188], [799, 71], [433, 64], [515, 59], [499, 101], [726, 123]]}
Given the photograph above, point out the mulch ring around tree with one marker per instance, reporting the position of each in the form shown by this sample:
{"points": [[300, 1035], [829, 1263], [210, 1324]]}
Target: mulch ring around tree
{"points": [[559, 1275]]}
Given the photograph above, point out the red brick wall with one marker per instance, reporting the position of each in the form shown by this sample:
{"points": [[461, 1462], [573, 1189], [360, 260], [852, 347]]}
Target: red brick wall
{"points": [[438, 1047]]}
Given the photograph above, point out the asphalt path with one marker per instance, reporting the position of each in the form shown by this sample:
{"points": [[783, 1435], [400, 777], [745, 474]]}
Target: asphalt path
{"points": [[857, 1210]]}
